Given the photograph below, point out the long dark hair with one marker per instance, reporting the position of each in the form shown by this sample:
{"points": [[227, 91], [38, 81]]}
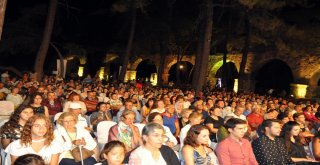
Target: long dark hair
{"points": [[285, 133], [13, 122]]}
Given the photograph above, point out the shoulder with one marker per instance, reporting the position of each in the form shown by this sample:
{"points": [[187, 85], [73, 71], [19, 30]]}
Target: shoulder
{"points": [[187, 149]]}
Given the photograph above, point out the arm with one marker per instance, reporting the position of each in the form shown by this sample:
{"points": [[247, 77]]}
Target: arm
{"points": [[176, 123], [252, 159], [13, 159], [54, 159], [5, 142], [136, 138], [212, 130], [187, 155], [46, 111], [316, 148]]}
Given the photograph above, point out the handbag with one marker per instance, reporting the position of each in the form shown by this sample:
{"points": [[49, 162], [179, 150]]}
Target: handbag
{"points": [[76, 152], [85, 153]]}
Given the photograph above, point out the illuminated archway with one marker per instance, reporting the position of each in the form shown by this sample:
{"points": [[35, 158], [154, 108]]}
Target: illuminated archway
{"points": [[185, 69], [228, 78], [145, 69]]}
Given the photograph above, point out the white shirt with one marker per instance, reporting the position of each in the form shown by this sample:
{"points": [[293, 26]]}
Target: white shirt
{"points": [[183, 134], [170, 135], [142, 156], [16, 149], [242, 117]]}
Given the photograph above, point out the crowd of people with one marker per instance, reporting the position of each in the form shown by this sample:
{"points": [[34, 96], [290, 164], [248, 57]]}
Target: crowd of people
{"points": [[54, 120]]}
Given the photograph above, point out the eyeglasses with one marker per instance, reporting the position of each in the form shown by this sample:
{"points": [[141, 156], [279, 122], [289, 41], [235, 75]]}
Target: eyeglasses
{"points": [[68, 121]]}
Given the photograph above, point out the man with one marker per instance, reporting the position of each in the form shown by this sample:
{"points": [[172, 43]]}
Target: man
{"points": [[238, 113], [199, 109], [255, 118], [91, 102], [269, 149], [235, 150], [128, 105]]}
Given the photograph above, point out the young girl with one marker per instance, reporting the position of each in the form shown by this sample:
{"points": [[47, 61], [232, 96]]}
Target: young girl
{"points": [[36, 138], [113, 153], [103, 113]]}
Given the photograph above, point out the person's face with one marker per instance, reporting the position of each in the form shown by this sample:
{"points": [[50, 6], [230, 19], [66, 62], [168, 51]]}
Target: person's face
{"points": [[39, 128], [285, 120], [115, 156], [160, 105], [37, 99], [301, 119], [295, 130], [170, 109], [151, 103], [199, 106], [69, 122], [217, 112], [195, 121], [158, 119], [239, 111], [76, 98], [129, 105], [103, 107], [238, 131], [26, 114], [155, 139], [220, 104], [91, 95], [129, 119], [274, 130], [51, 96], [15, 90], [114, 97], [76, 112], [203, 137]]}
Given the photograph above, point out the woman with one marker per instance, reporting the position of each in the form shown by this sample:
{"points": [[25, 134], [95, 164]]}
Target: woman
{"points": [[152, 151], [36, 138], [29, 159], [309, 114], [125, 131], [171, 120], [102, 114], [113, 153], [289, 133], [74, 98], [195, 150], [12, 129], [184, 120], [146, 109], [170, 140], [214, 122], [135, 101], [36, 101], [69, 136]]}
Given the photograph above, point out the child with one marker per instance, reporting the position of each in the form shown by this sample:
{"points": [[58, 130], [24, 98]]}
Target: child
{"points": [[113, 153]]}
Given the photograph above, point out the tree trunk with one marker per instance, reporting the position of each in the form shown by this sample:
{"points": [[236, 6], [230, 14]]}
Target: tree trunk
{"points": [[163, 53], [42, 52], [129, 45], [3, 5], [202, 57], [61, 59], [245, 51]]}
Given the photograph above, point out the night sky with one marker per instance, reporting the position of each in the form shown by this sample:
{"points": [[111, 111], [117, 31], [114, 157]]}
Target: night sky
{"points": [[97, 27]]}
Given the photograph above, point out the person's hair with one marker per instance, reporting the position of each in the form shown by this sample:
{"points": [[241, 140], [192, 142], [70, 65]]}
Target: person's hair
{"points": [[282, 115], [212, 109], [286, 133], [109, 146], [185, 111], [13, 122], [296, 115], [193, 133], [154, 103], [128, 101], [73, 94], [127, 112], [99, 104], [29, 159], [194, 115], [64, 115], [268, 123], [153, 115], [34, 96], [149, 128], [231, 123], [26, 134]]}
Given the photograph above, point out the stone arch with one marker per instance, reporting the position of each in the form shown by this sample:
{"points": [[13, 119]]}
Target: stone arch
{"points": [[274, 74], [185, 72], [151, 68], [173, 60], [135, 63], [315, 78]]}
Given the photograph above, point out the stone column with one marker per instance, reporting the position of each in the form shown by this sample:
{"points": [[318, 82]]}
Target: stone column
{"points": [[165, 78]]}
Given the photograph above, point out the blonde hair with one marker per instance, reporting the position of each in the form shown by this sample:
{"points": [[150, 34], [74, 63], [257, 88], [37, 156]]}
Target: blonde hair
{"points": [[64, 115]]}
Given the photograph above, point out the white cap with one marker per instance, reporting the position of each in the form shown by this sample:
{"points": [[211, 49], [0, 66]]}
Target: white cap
{"points": [[75, 106]]}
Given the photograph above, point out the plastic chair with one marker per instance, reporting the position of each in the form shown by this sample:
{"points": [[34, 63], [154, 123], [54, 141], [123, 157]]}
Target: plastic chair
{"points": [[103, 132]]}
